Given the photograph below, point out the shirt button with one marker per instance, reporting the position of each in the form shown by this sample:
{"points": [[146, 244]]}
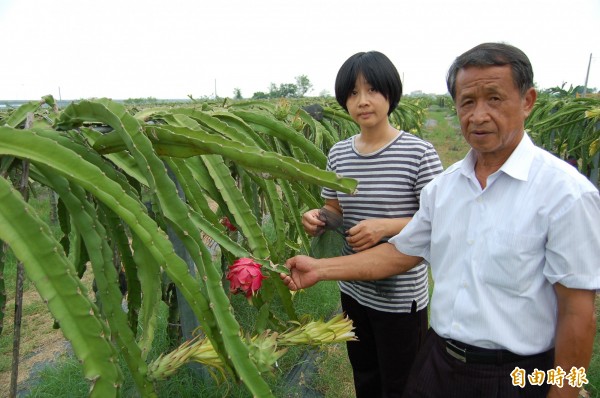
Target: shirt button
{"points": [[470, 241]]}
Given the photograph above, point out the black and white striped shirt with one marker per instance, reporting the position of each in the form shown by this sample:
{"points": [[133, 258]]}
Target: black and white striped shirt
{"points": [[389, 185]]}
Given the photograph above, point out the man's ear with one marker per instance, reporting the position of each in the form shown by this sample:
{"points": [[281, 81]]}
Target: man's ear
{"points": [[529, 101]]}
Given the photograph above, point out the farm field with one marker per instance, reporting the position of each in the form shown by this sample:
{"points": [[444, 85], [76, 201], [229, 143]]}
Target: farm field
{"points": [[43, 344]]}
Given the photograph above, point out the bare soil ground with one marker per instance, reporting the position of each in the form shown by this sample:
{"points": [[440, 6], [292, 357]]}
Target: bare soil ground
{"points": [[41, 344]]}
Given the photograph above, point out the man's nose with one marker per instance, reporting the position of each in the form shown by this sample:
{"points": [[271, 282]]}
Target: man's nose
{"points": [[480, 112]]}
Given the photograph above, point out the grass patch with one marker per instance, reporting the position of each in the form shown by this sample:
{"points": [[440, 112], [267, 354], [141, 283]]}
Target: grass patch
{"points": [[64, 380], [443, 131], [334, 377], [593, 372]]}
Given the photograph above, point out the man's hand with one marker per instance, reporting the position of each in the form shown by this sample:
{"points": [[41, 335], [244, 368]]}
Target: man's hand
{"points": [[379, 262], [303, 273]]}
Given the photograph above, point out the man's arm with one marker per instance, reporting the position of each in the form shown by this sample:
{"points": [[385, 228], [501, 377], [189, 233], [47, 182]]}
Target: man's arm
{"points": [[575, 332], [376, 263]]}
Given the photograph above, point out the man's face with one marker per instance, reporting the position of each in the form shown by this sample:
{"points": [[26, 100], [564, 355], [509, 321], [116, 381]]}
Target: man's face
{"points": [[491, 110]]}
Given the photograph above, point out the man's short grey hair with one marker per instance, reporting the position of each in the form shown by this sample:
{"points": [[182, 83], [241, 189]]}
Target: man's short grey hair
{"points": [[494, 54]]}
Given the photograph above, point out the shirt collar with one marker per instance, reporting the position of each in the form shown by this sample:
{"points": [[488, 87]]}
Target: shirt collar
{"points": [[516, 166]]}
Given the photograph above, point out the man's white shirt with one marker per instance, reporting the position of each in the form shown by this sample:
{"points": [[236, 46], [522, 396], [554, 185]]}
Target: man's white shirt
{"points": [[496, 252]]}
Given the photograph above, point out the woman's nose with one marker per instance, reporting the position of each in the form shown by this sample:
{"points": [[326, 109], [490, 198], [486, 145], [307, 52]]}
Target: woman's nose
{"points": [[362, 98]]}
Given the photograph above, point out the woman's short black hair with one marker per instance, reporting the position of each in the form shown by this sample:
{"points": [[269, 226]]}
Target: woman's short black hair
{"points": [[494, 54], [378, 71]]}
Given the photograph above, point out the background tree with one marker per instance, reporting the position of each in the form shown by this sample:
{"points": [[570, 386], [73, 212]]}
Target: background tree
{"points": [[303, 85], [260, 95], [285, 90], [237, 94]]}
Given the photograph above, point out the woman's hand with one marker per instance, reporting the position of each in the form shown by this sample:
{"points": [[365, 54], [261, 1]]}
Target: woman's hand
{"points": [[370, 232], [315, 221], [366, 234], [312, 224]]}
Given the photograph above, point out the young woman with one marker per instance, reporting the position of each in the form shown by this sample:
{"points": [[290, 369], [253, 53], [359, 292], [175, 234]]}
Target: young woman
{"points": [[392, 166]]}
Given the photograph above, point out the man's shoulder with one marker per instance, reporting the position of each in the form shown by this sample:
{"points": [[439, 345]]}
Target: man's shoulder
{"points": [[451, 171], [559, 174], [444, 181], [454, 167]]}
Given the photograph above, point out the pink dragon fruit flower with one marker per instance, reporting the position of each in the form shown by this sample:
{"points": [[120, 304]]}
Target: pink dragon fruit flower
{"points": [[225, 221], [245, 276]]}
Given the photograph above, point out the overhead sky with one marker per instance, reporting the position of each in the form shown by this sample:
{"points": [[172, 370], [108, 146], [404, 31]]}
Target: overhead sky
{"points": [[123, 49]]}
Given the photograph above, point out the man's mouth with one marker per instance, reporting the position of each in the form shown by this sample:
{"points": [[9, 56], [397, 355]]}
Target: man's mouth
{"points": [[479, 133]]}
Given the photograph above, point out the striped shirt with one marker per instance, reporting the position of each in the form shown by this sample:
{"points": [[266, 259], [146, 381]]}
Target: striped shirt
{"points": [[389, 186]]}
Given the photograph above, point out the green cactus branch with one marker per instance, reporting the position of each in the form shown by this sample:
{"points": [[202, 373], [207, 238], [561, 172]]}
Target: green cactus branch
{"points": [[285, 133], [93, 232], [26, 144], [56, 281], [183, 142], [226, 330]]}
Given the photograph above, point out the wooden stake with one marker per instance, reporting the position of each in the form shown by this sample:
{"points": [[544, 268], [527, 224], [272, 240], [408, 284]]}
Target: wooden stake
{"points": [[24, 189]]}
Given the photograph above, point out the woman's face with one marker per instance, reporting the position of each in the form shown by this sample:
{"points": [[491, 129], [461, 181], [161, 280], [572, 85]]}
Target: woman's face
{"points": [[367, 106]]}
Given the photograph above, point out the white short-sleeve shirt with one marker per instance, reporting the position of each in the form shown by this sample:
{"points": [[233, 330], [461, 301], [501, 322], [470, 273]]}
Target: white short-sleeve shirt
{"points": [[496, 252]]}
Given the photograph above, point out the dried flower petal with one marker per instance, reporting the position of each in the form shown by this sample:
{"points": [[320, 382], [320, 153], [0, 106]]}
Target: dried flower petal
{"points": [[225, 221]]}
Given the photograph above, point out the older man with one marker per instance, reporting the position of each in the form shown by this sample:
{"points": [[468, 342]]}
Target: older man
{"points": [[512, 237]]}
